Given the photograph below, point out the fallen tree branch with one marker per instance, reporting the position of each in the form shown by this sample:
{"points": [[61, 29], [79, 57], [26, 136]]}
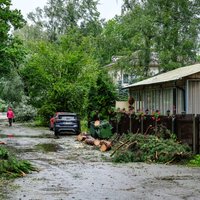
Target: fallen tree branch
{"points": [[131, 145], [118, 148]]}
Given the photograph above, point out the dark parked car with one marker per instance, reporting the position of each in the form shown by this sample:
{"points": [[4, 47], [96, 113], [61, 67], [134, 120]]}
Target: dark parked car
{"points": [[65, 122]]}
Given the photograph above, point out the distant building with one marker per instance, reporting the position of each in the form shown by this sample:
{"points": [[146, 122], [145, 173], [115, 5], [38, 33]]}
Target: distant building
{"points": [[123, 77]]}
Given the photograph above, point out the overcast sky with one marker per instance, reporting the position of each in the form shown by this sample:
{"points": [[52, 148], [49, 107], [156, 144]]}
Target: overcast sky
{"points": [[107, 8]]}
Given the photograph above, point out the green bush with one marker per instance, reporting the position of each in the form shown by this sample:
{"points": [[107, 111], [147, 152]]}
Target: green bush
{"points": [[195, 161], [3, 106], [40, 121], [24, 111], [84, 125], [45, 112]]}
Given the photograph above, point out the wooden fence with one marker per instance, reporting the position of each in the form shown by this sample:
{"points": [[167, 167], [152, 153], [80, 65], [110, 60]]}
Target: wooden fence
{"points": [[185, 127]]}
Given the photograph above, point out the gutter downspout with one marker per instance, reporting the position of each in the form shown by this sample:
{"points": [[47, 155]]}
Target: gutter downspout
{"points": [[174, 99], [187, 96]]}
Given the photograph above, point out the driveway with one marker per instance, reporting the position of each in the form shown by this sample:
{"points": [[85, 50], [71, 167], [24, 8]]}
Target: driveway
{"points": [[69, 169]]}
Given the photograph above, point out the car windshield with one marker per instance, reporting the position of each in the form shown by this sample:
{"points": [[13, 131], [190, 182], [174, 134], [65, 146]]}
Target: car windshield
{"points": [[66, 117]]}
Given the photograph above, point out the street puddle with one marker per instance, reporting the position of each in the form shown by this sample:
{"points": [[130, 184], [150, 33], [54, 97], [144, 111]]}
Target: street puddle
{"points": [[48, 147]]}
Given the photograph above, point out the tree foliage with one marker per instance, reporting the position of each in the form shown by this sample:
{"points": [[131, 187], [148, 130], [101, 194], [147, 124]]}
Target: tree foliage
{"points": [[11, 89], [10, 52], [59, 16], [169, 28], [61, 74], [57, 61], [102, 96]]}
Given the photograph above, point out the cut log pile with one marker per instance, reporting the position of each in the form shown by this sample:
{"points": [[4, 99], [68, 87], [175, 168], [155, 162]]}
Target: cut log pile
{"points": [[103, 145]]}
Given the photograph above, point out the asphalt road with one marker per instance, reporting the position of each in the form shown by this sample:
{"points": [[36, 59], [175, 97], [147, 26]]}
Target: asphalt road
{"points": [[68, 169], [3, 116]]}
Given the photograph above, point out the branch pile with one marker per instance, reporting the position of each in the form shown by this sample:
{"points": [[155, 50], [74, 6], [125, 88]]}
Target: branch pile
{"points": [[149, 148], [11, 167]]}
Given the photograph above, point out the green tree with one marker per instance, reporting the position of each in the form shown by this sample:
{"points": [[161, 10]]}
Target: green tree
{"points": [[102, 96], [30, 33], [110, 42], [58, 16], [140, 37], [58, 76], [178, 26], [9, 46], [169, 28], [11, 89]]}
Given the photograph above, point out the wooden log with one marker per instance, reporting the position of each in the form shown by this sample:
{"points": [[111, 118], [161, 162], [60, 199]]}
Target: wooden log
{"points": [[97, 142], [82, 136], [105, 142], [105, 145], [97, 123], [89, 141], [79, 137]]}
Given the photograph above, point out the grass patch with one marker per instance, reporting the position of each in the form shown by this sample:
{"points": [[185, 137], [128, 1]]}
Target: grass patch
{"points": [[195, 161]]}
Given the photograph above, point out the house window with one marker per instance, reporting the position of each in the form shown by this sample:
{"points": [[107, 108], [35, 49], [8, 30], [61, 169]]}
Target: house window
{"points": [[125, 78], [154, 99]]}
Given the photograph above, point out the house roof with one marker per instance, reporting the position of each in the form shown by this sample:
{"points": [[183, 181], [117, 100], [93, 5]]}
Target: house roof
{"points": [[173, 75]]}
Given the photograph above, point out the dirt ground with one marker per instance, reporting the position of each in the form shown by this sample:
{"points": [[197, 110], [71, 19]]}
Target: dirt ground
{"points": [[69, 169]]}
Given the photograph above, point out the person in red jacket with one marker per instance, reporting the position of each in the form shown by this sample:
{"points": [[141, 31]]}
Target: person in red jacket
{"points": [[10, 116]]}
